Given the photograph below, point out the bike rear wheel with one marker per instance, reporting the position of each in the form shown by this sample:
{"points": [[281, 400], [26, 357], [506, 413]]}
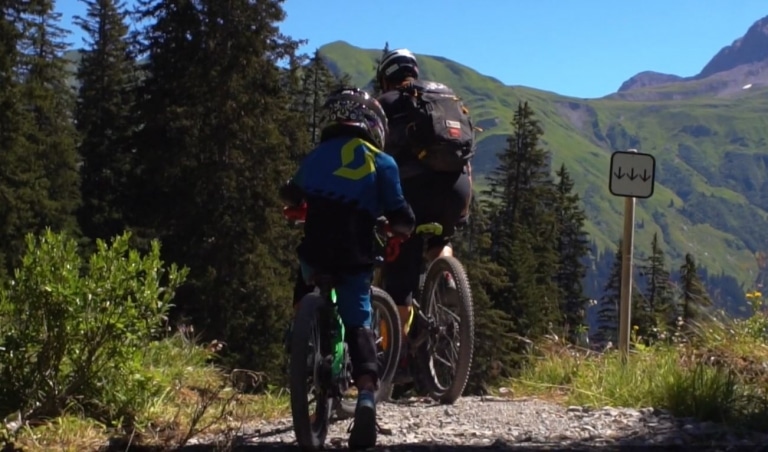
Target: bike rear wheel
{"points": [[389, 336], [310, 429], [456, 330]]}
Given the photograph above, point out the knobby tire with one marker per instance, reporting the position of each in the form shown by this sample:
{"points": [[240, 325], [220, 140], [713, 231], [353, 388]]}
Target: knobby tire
{"points": [[309, 435], [466, 330]]}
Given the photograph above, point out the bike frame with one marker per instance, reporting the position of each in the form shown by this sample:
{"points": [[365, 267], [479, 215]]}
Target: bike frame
{"points": [[332, 330], [392, 251]]}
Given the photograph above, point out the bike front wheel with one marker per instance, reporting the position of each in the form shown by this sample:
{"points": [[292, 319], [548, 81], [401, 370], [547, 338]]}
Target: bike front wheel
{"points": [[444, 362], [310, 428]]}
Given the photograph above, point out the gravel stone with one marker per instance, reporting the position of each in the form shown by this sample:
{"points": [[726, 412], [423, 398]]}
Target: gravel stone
{"points": [[494, 423]]}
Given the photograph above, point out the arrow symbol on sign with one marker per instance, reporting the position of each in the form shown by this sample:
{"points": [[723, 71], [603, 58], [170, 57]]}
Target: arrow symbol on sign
{"points": [[645, 176], [632, 175], [619, 174]]}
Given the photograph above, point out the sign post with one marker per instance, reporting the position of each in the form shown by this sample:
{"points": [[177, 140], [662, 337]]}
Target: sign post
{"points": [[632, 176]]}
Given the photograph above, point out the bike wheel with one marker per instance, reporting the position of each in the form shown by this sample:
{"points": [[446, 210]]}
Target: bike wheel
{"points": [[455, 330], [389, 337], [305, 362]]}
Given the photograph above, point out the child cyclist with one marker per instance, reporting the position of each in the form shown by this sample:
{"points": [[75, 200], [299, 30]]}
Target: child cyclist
{"points": [[347, 182]]}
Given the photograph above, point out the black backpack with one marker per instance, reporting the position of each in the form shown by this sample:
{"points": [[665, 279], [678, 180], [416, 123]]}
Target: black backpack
{"points": [[439, 130]]}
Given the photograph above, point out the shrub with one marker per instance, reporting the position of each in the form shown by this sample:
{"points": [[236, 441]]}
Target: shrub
{"points": [[75, 332]]}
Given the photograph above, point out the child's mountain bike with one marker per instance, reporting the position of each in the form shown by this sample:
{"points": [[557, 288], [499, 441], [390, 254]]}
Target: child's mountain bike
{"points": [[442, 335], [320, 367]]}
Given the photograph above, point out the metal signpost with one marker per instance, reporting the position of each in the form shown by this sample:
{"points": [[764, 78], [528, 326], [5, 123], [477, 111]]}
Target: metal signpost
{"points": [[632, 176]]}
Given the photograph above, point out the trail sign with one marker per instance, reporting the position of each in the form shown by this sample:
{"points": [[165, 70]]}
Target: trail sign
{"points": [[633, 174]]}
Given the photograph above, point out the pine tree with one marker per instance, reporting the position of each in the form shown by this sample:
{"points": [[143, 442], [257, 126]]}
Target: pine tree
{"points": [[608, 305], [659, 303], [375, 86], [52, 102], [524, 227], [103, 118], [166, 109], [317, 82], [494, 347], [19, 194], [694, 299], [39, 186], [218, 110], [572, 248]]}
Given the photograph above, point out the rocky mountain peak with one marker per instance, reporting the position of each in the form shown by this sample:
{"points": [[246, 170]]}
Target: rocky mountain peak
{"points": [[750, 48]]}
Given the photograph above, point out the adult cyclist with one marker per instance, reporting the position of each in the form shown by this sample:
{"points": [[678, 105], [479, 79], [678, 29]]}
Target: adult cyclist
{"points": [[435, 196]]}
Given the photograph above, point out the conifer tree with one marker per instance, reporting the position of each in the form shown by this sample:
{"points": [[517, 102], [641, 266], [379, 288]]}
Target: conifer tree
{"points": [[375, 86], [524, 227], [317, 82], [39, 139], [659, 300], [694, 300], [103, 118], [572, 248], [18, 172], [608, 305], [217, 142], [166, 109], [494, 347]]}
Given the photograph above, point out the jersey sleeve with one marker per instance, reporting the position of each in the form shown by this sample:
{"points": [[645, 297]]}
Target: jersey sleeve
{"points": [[393, 203]]}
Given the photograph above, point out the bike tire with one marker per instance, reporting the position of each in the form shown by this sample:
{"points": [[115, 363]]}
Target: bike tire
{"points": [[381, 300], [452, 392], [309, 435]]}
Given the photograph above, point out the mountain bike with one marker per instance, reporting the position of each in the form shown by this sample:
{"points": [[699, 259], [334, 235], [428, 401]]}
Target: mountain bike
{"points": [[434, 324], [319, 357]]}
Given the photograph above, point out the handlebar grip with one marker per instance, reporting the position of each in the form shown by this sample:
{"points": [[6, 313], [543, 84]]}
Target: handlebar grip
{"points": [[393, 249], [295, 213]]}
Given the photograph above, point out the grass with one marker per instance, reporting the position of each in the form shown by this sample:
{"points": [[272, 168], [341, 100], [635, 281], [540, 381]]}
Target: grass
{"points": [[716, 375], [200, 400]]}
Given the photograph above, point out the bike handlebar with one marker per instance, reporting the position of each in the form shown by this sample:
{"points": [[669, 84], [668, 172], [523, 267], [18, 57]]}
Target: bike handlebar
{"points": [[298, 215]]}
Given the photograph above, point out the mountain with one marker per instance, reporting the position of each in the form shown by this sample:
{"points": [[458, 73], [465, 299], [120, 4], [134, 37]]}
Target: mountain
{"points": [[709, 134], [751, 48], [743, 63]]}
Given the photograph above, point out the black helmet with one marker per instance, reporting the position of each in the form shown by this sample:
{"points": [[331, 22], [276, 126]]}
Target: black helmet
{"points": [[396, 65], [352, 108]]}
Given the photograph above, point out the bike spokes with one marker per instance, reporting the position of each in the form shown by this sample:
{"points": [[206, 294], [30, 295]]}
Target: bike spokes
{"points": [[317, 398], [444, 341]]}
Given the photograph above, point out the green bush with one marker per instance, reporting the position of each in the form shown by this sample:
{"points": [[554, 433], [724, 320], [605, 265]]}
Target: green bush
{"points": [[74, 333]]}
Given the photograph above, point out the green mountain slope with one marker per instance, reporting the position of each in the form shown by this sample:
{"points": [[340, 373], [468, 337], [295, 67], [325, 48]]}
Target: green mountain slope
{"points": [[711, 195]]}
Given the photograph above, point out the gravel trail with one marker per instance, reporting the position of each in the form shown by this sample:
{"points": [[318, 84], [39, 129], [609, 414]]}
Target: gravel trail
{"points": [[491, 423]]}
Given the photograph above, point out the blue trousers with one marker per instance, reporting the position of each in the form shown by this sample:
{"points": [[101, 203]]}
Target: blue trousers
{"points": [[353, 293]]}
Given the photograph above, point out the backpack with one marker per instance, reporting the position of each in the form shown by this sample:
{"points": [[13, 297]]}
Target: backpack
{"points": [[440, 132]]}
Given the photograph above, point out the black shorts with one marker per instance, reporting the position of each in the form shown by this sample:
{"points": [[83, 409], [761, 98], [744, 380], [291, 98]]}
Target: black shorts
{"points": [[439, 197], [435, 197]]}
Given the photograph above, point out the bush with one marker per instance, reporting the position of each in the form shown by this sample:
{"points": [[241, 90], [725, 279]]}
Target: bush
{"points": [[75, 333]]}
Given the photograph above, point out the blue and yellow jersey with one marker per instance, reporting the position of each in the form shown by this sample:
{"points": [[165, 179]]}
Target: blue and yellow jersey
{"points": [[354, 172], [347, 183]]}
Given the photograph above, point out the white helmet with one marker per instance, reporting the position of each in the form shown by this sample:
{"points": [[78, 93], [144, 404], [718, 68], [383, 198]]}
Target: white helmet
{"points": [[396, 65]]}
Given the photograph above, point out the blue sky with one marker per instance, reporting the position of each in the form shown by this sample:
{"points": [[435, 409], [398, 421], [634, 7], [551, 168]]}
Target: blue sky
{"points": [[583, 48]]}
